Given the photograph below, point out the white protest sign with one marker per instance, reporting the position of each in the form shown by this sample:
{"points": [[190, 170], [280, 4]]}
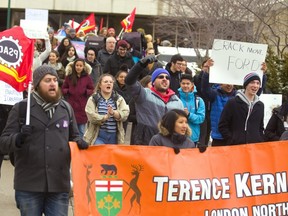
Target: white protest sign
{"points": [[36, 14], [270, 101], [9, 95], [233, 60], [34, 29]]}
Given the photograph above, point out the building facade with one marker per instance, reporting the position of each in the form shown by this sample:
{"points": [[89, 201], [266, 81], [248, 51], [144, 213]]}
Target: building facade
{"points": [[61, 11]]}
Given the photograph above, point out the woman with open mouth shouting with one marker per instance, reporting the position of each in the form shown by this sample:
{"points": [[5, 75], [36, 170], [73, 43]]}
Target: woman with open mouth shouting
{"points": [[106, 111]]}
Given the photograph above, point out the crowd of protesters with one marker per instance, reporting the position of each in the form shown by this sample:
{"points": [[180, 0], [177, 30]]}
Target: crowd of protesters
{"points": [[114, 85]]}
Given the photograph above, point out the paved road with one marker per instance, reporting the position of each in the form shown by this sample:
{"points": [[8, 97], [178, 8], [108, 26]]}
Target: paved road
{"points": [[7, 201]]}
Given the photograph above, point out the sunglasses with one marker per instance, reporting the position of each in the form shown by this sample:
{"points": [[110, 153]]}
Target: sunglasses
{"points": [[163, 76]]}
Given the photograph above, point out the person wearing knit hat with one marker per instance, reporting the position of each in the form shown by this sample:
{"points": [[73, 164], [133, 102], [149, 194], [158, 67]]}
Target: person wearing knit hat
{"points": [[249, 78], [119, 58], [122, 43], [40, 144], [159, 72], [41, 72], [241, 120], [150, 103]]}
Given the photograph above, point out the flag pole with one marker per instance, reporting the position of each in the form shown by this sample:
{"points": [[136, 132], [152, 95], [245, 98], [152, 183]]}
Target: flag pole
{"points": [[119, 35], [28, 103]]}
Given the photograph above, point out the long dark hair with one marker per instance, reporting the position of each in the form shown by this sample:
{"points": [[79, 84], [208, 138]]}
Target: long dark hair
{"points": [[65, 55], [73, 75], [61, 48]]}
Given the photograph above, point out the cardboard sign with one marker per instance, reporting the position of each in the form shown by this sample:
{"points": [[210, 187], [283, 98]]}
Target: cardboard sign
{"points": [[36, 14], [34, 29], [233, 60], [9, 95], [153, 180], [270, 101]]}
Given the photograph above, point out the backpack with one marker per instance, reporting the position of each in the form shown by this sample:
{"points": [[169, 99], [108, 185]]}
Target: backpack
{"points": [[196, 100], [22, 119], [115, 96]]}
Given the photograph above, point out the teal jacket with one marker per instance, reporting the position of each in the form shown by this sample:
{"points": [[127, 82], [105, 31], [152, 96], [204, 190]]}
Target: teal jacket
{"points": [[196, 108]]}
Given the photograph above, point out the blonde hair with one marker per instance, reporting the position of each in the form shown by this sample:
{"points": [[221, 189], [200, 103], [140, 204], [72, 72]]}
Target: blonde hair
{"points": [[97, 88]]}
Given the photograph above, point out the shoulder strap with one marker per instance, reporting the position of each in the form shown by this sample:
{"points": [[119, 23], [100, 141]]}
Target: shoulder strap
{"points": [[96, 98], [115, 97], [22, 112], [22, 121], [69, 110], [197, 98]]}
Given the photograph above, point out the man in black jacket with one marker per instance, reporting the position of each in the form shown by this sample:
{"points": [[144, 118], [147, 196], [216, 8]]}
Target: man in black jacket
{"points": [[242, 118], [120, 57], [41, 150]]}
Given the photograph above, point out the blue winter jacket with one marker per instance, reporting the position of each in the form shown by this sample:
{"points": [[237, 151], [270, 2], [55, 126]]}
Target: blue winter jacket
{"points": [[196, 108], [218, 99]]}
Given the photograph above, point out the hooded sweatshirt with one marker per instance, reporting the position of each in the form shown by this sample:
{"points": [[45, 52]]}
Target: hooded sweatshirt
{"points": [[241, 121]]}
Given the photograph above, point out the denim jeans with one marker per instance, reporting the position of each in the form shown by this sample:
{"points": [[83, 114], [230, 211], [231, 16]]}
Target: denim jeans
{"points": [[106, 138], [81, 128], [36, 203]]}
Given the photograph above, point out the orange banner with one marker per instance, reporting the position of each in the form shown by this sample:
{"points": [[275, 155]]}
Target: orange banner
{"points": [[146, 180]]}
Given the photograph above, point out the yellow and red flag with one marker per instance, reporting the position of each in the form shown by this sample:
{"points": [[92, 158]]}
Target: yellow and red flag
{"points": [[16, 58], [128, 22], [87, 24]]}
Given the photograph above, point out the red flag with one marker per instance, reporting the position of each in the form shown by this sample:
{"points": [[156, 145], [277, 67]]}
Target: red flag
{"points": [[16, 58], [87, 24], [101, 23], [72, 24], [128, 22]]}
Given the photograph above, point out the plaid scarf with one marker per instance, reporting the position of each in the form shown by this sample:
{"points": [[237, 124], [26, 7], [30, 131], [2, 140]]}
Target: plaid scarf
{"points": [[49, 108]]}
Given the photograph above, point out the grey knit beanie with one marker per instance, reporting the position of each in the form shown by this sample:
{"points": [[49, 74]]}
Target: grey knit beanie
{"points": [[40, 72]]}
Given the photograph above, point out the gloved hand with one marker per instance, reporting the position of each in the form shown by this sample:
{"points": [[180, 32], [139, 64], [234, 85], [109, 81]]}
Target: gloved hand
{"points": [[148, 59], [202, 148], [176, 150], [26, 130], [82, 144]]}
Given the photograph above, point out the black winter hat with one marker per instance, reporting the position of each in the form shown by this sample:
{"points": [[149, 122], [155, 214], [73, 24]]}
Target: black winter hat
{"points": [[250, 77]]}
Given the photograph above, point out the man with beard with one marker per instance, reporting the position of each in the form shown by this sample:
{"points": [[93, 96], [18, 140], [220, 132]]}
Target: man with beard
{"points": [[120, 57], [151, 103], [41, 150]]}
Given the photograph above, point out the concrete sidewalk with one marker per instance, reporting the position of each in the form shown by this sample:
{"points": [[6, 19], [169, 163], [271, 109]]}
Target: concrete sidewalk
{"points": [[7, 200]]}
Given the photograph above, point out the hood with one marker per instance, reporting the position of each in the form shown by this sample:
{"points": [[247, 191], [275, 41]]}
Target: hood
{"points": [[68, 69], [242, 96], [168, 66], [92, 64], [165, 132]]}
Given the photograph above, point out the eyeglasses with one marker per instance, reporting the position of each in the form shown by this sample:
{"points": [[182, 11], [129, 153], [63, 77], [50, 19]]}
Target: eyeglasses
{"points": [[163, 76]]}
